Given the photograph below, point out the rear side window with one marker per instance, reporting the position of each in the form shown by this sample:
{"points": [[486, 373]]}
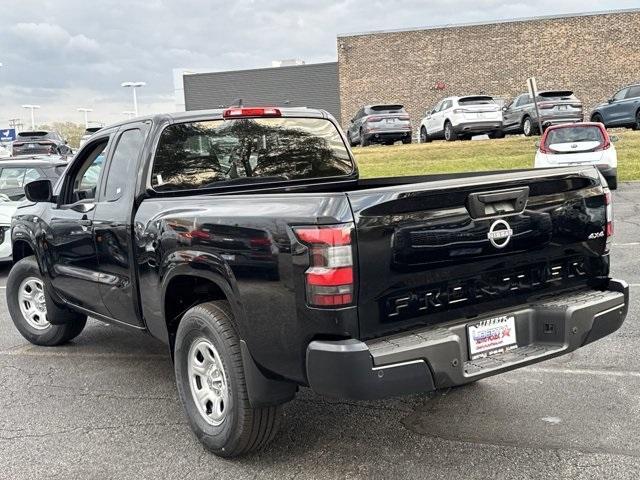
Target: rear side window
{"points": [[218, 152], [121, 175], [634, 92]]}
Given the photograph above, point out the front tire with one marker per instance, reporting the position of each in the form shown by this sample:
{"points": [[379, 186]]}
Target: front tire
{"points": [[28, 309], [449, 134], [363, 140], [349, 141], [636, 126], [527, 127], [211, 384], [424, 137]]}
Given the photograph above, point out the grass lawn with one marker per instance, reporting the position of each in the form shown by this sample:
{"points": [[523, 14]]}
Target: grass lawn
{"points": [[512, 152]]}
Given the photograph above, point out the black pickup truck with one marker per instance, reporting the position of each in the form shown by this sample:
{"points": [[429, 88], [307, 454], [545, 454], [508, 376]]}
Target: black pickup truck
{"points": [[244, 239]]}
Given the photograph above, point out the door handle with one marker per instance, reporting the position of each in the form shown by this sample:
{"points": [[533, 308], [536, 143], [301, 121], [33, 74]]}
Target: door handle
{"points": [[85, 222]]}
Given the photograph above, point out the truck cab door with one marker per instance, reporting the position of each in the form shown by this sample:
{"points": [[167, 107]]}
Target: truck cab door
{"points": [[70, 253], [113, 219]]}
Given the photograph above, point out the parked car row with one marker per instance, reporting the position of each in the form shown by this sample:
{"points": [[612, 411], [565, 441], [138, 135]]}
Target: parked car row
{"points": [[461, 117]]}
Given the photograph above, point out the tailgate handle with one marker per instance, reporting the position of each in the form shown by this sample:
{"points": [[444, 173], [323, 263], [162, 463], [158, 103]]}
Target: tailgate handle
{"points": [[502, 202]]}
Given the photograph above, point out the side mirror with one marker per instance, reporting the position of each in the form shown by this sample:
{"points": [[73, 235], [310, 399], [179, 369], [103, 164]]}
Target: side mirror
{"points": [[611, 100], [505, 108], [39, 191], [352, 120], [614, 138]]}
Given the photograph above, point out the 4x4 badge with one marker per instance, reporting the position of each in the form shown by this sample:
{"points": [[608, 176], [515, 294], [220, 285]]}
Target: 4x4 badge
{"points": [[499, 233]]}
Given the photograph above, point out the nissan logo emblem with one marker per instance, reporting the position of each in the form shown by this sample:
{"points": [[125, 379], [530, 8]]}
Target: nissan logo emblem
{"points": [[499, 233]]}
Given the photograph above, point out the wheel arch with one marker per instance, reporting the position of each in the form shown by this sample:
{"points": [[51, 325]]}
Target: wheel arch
{"points": [[21, 249], [185, 286]]}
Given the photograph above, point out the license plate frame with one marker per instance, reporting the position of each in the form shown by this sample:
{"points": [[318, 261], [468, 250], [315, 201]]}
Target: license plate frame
{"points": [[491, 336]]}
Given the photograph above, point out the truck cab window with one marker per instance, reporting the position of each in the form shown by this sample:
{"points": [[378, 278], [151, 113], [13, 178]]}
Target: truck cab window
{"points": [[123, 163], [85, 182], [211, 153]]}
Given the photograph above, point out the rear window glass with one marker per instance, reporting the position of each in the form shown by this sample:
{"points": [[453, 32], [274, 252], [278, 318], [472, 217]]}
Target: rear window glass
{"points": [[587, 133], [388, 109], [561, 94], [220, 152], [476, 101]]}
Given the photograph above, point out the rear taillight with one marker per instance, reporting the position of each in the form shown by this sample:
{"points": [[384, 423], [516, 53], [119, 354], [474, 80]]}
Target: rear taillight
{"points": [[546, 106], [260, 242], [543, 143], [373, 119], [329, 278], [605, 135], [608, 232]]}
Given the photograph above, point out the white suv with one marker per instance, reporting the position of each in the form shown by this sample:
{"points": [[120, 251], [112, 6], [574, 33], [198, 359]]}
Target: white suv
{"points": [[455, 117]]}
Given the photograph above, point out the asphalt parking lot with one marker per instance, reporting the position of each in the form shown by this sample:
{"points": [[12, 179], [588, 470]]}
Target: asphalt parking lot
{"points": [[106, 406]]}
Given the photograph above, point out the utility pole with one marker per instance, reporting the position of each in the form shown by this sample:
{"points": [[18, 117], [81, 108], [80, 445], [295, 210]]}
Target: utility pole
{"points": [[86, 117], [133, 86], [33, 119]]}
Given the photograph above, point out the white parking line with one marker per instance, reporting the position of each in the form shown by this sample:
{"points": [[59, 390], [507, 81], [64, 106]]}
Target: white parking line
{"points": [[585, 371], [630, 244]]}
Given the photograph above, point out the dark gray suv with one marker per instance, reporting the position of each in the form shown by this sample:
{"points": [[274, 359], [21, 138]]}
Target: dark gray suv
{"points": [[379, 124], [621, 110], [556, 106]]}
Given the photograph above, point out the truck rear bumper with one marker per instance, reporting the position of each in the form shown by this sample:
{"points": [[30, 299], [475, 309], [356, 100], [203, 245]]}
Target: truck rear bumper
{"points": [[438, 357]]}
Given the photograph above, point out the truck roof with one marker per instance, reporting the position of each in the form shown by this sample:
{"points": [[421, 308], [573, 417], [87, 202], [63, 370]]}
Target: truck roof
{"points": [[217, 112]]}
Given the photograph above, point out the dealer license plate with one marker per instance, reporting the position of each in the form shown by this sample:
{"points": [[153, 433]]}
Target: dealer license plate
{"points": [[495, 335]]}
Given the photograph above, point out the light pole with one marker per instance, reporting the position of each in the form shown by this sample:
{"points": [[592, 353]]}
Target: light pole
{"points": [[129, 113], [33, 120], [86, 116], [133, 86]]}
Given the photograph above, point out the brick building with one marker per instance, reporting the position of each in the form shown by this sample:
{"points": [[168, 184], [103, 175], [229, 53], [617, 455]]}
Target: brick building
{"points": [[593, 54]]}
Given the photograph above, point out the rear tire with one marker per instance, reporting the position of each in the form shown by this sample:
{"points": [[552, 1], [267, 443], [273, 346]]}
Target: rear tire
{"points": [[406, 141], [612, 182], [636, 126], [28, 310], [211, 384], [424, 137], [497, 134], [449, 134]]}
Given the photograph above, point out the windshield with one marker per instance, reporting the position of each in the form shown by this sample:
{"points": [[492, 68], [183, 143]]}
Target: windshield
{"points": [[576, 134], [212, 153]]}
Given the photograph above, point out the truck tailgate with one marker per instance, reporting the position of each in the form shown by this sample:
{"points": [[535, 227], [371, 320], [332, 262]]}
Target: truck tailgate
{"points": [[453, 248]]}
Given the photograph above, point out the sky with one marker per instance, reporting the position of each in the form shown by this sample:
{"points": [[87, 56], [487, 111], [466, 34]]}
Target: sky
{"points": [[67, 54]]}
